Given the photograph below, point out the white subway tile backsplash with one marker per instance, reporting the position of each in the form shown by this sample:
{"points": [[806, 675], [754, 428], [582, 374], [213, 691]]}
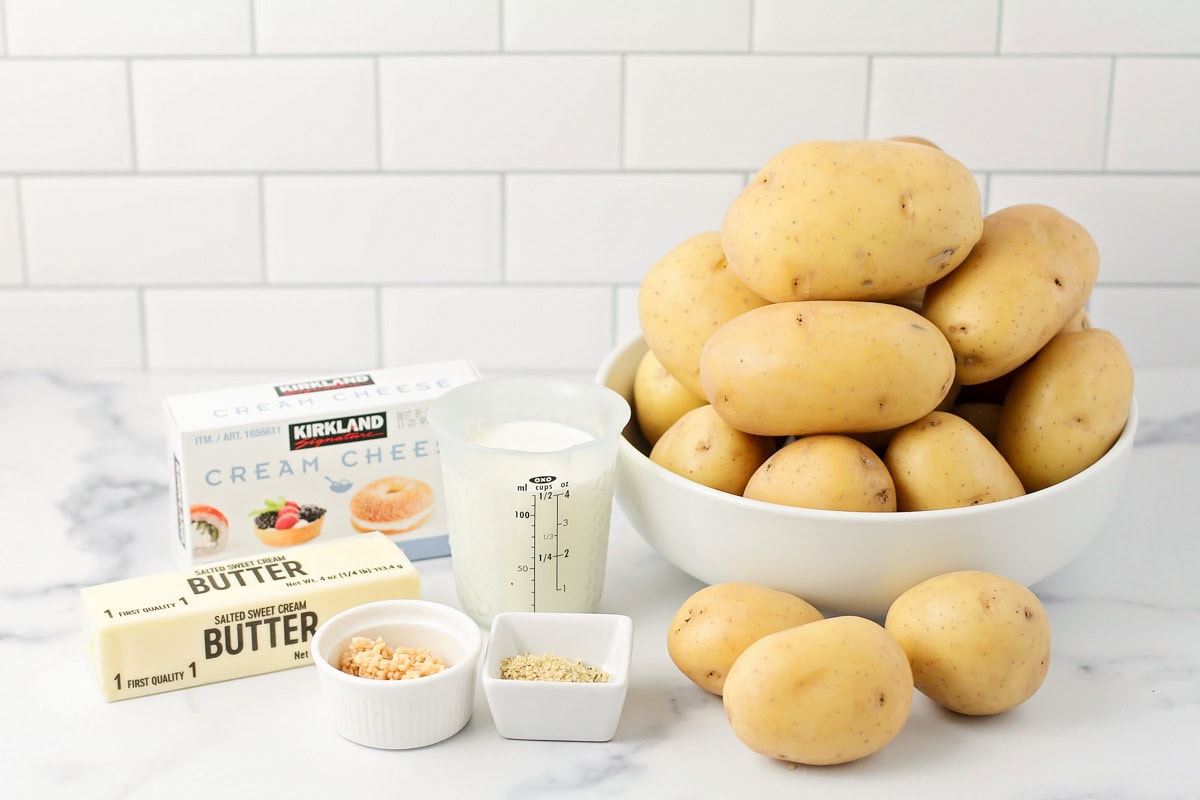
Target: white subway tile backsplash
{"points": [[383, 228], [1155, 324], [996, 113], [1156, 114], [499, 328], [63, 115], [376, 26], [70, 329], [127, 27], [255, 114], [1100, 26], [627, 25], [866, 26], [10, 233], [735, 112], [1144, 225], [628, 324], [3, 34], [606, 228], [141, 230], [307, 330], [500, 112]]}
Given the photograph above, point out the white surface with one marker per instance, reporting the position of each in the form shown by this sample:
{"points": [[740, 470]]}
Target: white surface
{"points": [[1154, 124], [747, 108], [630, 25], [400, 714], [382, 228], [127, 27], [64, 115], [1100, 26], [996, 113], [358, 26], [559, 711], [863, 26], [503, 327], [237, 114], [85, 499], [10, 228], [150, 230], [573, 228], [492, 112], [92, 329]]}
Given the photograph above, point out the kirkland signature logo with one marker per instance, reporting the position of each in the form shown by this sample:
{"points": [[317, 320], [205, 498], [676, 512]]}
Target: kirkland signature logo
{"points": [[323, 385], [339, 430]]}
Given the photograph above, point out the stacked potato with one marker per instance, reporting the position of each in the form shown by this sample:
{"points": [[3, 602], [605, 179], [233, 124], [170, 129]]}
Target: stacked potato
{"points": [[858, 337]]}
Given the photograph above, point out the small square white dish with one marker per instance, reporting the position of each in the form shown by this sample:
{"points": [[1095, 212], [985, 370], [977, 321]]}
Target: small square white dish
{"points": [[556, 710], [400, 714]]}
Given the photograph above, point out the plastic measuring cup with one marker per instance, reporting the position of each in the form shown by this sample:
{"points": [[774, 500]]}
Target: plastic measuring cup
{"points": [[527, 470]]}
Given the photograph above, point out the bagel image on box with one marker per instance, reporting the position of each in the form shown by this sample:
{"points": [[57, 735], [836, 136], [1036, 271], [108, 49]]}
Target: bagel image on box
{"points": [[263, 467]]}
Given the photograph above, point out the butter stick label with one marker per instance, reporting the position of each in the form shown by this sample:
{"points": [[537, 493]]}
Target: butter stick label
{"points": [[235, 618]]}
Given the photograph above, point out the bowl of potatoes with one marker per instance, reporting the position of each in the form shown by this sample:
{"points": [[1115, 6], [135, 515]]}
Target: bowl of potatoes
{"points": [[860, 382]]}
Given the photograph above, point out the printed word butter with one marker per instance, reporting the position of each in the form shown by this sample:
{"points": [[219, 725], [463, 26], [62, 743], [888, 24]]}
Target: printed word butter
{"points": [[230, 619]]}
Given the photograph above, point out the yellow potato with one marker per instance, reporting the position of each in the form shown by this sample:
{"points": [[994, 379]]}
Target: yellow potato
{"points": [[825, 367], [717, 623], [1079, 322], [978, 643], [984, 417], [684, 298], [855, 220], [1031, 272], [659, 399], [1066, 407], [942, 461], [827, 471], [914, 140], [828, 692], [701, 447]]}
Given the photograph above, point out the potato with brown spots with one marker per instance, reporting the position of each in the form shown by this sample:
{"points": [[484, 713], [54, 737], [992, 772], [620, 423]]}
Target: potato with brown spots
{"points": [[717, 623], [825, 366], [828, 692], [684, 298], [836, 473], [943, 461], [1066, 407], [852, 220], [702, 447], [978, 643], [1030, 273]]}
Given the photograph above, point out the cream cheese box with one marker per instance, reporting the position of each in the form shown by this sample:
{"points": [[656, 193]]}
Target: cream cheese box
{"points": [[235, 618], [277, 465]]}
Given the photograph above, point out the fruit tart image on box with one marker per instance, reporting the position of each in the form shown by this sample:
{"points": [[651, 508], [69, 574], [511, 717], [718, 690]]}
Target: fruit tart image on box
{"points": [[285, 523], [394, 504]]}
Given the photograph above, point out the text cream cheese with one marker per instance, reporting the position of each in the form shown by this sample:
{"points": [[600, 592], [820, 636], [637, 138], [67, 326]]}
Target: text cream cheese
{"points": [[235, 618]]}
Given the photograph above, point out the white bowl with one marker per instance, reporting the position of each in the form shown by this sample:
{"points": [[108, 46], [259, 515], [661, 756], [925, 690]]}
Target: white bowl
{"points": [[400, 714], [550, 710], [853, 562]]}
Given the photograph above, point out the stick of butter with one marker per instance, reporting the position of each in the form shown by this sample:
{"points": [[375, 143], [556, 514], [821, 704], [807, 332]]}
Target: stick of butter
{"points": [[231, 619]]}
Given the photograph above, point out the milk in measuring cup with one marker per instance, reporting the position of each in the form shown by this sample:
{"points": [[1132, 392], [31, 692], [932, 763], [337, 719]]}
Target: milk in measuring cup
{"points": [[529, 522]]}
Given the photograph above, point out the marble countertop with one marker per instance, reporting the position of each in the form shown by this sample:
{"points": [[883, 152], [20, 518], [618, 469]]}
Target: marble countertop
{"points": [[83, 488]]}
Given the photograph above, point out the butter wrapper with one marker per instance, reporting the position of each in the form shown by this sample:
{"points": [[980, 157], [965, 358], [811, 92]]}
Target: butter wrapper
{"points": [[233, 618]]}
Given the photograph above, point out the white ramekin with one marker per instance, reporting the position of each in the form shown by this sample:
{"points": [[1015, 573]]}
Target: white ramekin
{"points": [[400, 714]]}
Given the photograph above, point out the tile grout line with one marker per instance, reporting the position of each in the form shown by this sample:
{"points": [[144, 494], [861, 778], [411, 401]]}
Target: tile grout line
{"points": [[261, 188], [379, 339], [1105, 157], [3, 28], [143, 328], [869, 86], [999, 25], [252, 12], [502, 244], [22, 247], [132, 116], [621, 92], [378, 114], [751, 18], [500, 26]]}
